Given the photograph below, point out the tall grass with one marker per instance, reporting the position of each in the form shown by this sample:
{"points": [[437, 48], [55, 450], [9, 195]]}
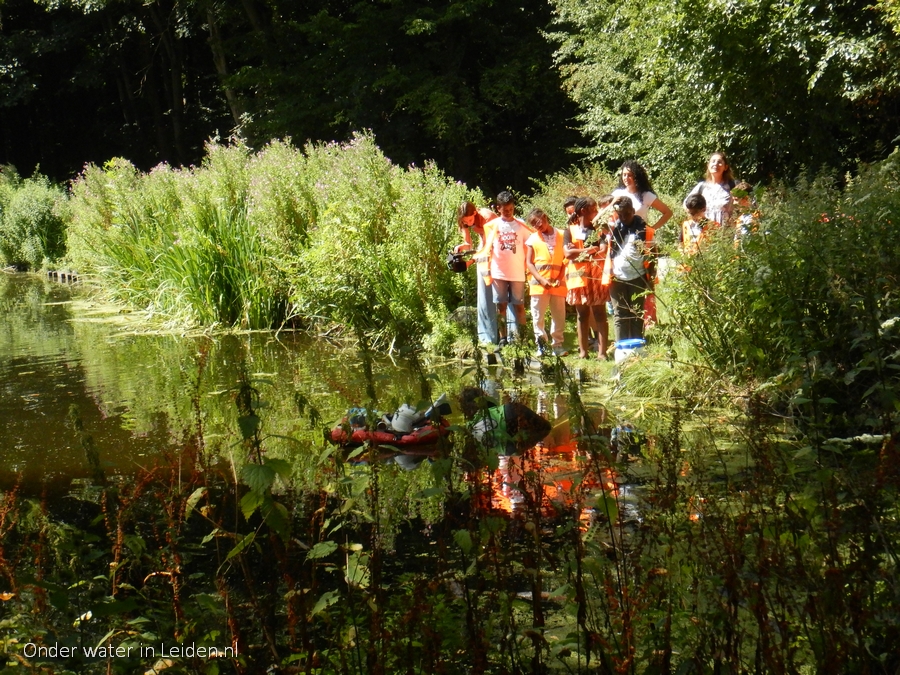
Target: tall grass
{"points": [[332, 234]]}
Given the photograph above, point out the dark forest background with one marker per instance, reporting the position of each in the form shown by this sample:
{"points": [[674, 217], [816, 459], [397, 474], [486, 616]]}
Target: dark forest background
{"points": [[496, 92]]}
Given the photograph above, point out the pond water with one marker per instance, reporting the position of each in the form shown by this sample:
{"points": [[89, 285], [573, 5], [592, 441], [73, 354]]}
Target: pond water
{"points": [[140, 396]]}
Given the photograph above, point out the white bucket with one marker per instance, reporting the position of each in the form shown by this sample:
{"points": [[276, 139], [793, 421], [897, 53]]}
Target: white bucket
{"points": [[626, 348]]}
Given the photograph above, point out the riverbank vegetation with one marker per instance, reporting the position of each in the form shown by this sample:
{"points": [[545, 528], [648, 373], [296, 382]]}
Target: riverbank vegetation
{"points": [[802, 308], [751, 524], [33, 220], [328, 236], [759, 534]]}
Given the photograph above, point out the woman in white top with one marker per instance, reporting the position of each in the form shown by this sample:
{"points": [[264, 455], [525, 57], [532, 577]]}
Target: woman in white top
{"points": [[716, 189], [634, 183]]}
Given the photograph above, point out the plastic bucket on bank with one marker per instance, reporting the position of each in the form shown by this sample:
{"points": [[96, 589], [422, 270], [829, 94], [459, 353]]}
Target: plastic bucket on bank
{"points": [[626, 348]]}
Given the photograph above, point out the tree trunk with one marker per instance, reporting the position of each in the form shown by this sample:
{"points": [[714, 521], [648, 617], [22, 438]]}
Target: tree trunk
{"points": [[235, 104], [173, 84]]}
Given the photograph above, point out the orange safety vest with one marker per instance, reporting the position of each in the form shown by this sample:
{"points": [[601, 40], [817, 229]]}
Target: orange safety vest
{"points": [[648, 242], [550, 267], [577, 271]]}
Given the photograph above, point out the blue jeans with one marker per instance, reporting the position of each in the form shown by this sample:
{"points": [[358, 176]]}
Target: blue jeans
{"points": [[487, 312]]}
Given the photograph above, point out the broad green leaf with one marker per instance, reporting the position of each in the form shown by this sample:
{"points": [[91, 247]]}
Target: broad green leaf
{"points": [[277, 517], [463, 539], [191, 503], [327, 599], [249, 425], [357, 570], [258, 477], [251, 501], [321, 550], [241, 545], [280, 466]]}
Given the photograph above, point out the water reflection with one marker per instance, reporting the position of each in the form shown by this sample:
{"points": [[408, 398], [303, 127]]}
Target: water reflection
{"points": [[140, 395]]}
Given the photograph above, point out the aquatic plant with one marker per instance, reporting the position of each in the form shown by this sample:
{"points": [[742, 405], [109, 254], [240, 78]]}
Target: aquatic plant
{"points": [[709, 546], [332, 234]]}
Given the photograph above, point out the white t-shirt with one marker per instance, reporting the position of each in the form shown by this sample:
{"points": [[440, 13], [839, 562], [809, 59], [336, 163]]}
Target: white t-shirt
{"points": [[641, 204], [718, 200], [508, 251], [629, 263], [695, 229], [628, 256]]}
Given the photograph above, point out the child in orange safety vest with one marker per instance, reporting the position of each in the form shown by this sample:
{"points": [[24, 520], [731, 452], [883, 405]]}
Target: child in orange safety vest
{"points": [[587, 291], [546, 266]]}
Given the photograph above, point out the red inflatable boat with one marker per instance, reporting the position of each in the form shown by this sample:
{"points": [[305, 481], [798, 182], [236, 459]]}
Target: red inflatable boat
{"points": [[420, 439]]}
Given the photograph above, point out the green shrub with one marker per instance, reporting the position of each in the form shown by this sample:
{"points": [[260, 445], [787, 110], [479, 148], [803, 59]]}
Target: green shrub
{"points": [[591, 180], [807, 306], [331, 234], [32, 223], [377, 239]]}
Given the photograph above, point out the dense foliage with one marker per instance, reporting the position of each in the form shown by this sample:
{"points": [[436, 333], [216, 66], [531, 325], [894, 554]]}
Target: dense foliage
{"points": [[32, 220], [469, 84], [334, 233], [778, 85], [720, 544], [805, 307], [701, 550]]}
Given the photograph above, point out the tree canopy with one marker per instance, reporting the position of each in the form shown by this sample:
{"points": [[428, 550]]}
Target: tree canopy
{"points": [[489, 89], [467, 83], [778, 84]]}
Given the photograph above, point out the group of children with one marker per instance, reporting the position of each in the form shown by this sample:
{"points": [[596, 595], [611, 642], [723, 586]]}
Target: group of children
{"points": [[605, 255], [585, 266]]}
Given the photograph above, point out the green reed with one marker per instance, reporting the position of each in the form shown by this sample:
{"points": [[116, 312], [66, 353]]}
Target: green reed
{"points": [[329, 235]]}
